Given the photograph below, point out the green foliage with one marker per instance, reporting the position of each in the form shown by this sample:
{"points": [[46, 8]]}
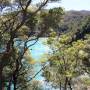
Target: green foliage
{"points": [[68, 57], [86, 81], [21, 26]]}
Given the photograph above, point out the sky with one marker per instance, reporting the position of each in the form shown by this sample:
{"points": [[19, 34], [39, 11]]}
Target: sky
{"points": [[72, 4], [69, 4]]}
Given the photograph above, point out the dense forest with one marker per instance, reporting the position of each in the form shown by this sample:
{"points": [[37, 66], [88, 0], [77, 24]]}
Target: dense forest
{"points": [[69, 63], [71, 19], [68, 36]]}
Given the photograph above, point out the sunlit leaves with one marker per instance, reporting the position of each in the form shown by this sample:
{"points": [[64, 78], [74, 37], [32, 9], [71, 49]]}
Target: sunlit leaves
{"points": [[86, 81], [67, 57], [65, 39]]}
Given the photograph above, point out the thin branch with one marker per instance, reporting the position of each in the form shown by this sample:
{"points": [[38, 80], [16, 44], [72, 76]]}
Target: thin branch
{"points": [[35, 75]]}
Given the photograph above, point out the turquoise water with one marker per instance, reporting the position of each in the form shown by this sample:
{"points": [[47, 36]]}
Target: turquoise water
{"points": [[37, 51]]}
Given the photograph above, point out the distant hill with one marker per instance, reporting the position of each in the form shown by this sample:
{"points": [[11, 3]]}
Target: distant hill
{"points": [[73, 19], [72, 15]]}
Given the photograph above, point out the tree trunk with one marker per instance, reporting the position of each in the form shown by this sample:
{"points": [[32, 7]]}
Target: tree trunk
{"points": [[66, 82], [1, 78], [15, 74], [15, 78], [15, 86], [10, 83], [15, 81], [60, 86], [69, 83]]}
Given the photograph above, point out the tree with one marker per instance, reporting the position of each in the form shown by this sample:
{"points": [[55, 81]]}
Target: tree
{"points": [[67, 59], [16, 25]]}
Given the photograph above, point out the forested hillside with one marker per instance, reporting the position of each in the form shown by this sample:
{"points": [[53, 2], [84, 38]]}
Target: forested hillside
{"points": [[73, 18]]}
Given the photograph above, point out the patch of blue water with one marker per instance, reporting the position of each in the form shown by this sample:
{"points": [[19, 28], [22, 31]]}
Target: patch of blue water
{"points": [[37, 51]]}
